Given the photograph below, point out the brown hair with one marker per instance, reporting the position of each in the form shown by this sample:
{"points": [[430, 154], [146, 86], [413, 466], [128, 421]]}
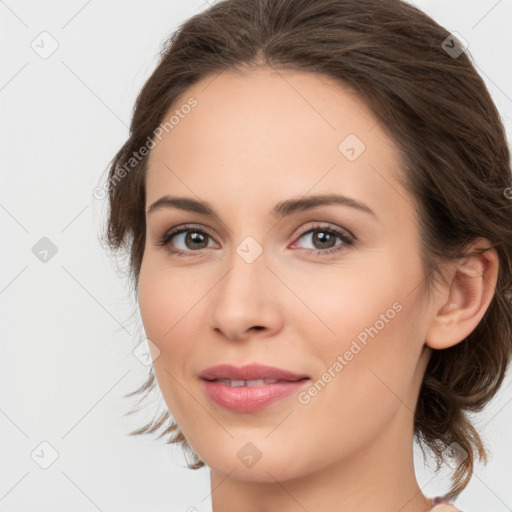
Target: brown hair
{"points": [[434, 105]]}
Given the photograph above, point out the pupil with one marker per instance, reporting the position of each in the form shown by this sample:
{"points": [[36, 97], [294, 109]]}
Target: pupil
{"points": [[322, 237], [195, 237]]}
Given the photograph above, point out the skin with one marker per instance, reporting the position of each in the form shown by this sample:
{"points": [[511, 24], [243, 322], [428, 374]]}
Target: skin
{"points": [[255, 139]]}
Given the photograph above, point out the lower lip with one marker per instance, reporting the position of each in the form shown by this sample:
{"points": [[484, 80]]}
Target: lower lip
{"points": [[250, 398]]}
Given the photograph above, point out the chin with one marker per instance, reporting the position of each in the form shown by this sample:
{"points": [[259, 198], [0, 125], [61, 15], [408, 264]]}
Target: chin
{"points": [[249, 464]]}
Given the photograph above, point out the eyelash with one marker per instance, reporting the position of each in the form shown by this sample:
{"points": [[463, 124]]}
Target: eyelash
{"points": [[348, 240]]}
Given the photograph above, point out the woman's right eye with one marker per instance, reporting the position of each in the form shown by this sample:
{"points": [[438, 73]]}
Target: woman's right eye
{"points": [[192, 238]]}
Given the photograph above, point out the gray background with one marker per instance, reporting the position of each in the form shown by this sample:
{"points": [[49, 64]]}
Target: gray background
{"points": [[68, 324]]}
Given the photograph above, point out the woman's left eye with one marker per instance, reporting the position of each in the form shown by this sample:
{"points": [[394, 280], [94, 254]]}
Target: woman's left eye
{"points": [[324, 237]]}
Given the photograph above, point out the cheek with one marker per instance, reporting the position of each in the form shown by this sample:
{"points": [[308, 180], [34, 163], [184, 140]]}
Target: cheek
{"points": [[371, 341], [163, 310], [360, 389], [166, 301], [356, 300], [167, 317]]}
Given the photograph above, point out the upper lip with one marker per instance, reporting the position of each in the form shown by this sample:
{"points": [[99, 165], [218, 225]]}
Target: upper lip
{"points": [[249, 372]]}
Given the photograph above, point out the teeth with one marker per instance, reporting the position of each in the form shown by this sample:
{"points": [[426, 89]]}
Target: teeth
{"points": [[237, 383], [260, 382]]}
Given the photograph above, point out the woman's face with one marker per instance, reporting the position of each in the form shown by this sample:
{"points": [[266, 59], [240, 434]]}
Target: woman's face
{"points": [[282, 288]]}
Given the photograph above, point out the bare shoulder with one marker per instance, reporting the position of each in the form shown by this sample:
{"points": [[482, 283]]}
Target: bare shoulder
{"points": [[444, 507]]}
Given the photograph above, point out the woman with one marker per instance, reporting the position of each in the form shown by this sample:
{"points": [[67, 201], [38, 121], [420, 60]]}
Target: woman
{"points": [[344, 173]]}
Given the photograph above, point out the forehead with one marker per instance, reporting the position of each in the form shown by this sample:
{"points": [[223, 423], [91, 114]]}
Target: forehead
{"points": [[274, 134]]}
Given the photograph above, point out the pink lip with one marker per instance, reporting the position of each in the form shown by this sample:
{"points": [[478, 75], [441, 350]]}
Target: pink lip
{"points": [[249, 372], [250, 398]]}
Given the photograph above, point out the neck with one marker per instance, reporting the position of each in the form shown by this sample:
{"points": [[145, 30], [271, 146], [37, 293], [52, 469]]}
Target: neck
{"points": [[378, 477]]}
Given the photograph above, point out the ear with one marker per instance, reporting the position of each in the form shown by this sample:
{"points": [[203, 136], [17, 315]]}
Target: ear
{"points": [[464, 298]]}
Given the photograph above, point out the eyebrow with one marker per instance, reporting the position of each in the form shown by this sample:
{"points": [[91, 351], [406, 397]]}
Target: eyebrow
{"points": [[280, 210]]}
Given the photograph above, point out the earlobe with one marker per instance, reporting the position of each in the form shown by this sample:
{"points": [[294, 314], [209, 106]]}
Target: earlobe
{"points": [[467, 296]]}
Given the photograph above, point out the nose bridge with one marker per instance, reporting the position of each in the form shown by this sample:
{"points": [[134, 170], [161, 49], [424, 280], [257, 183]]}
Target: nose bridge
{"points": [[244, 297], [247, 272]]}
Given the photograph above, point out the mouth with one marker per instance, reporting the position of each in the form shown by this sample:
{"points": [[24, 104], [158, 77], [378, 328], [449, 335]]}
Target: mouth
{"points": [[250, 388], [236, 383], [250, 373], [251, 395]]}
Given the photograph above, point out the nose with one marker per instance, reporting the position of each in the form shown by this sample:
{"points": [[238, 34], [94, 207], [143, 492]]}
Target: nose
{"points": [[246, 301]]}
